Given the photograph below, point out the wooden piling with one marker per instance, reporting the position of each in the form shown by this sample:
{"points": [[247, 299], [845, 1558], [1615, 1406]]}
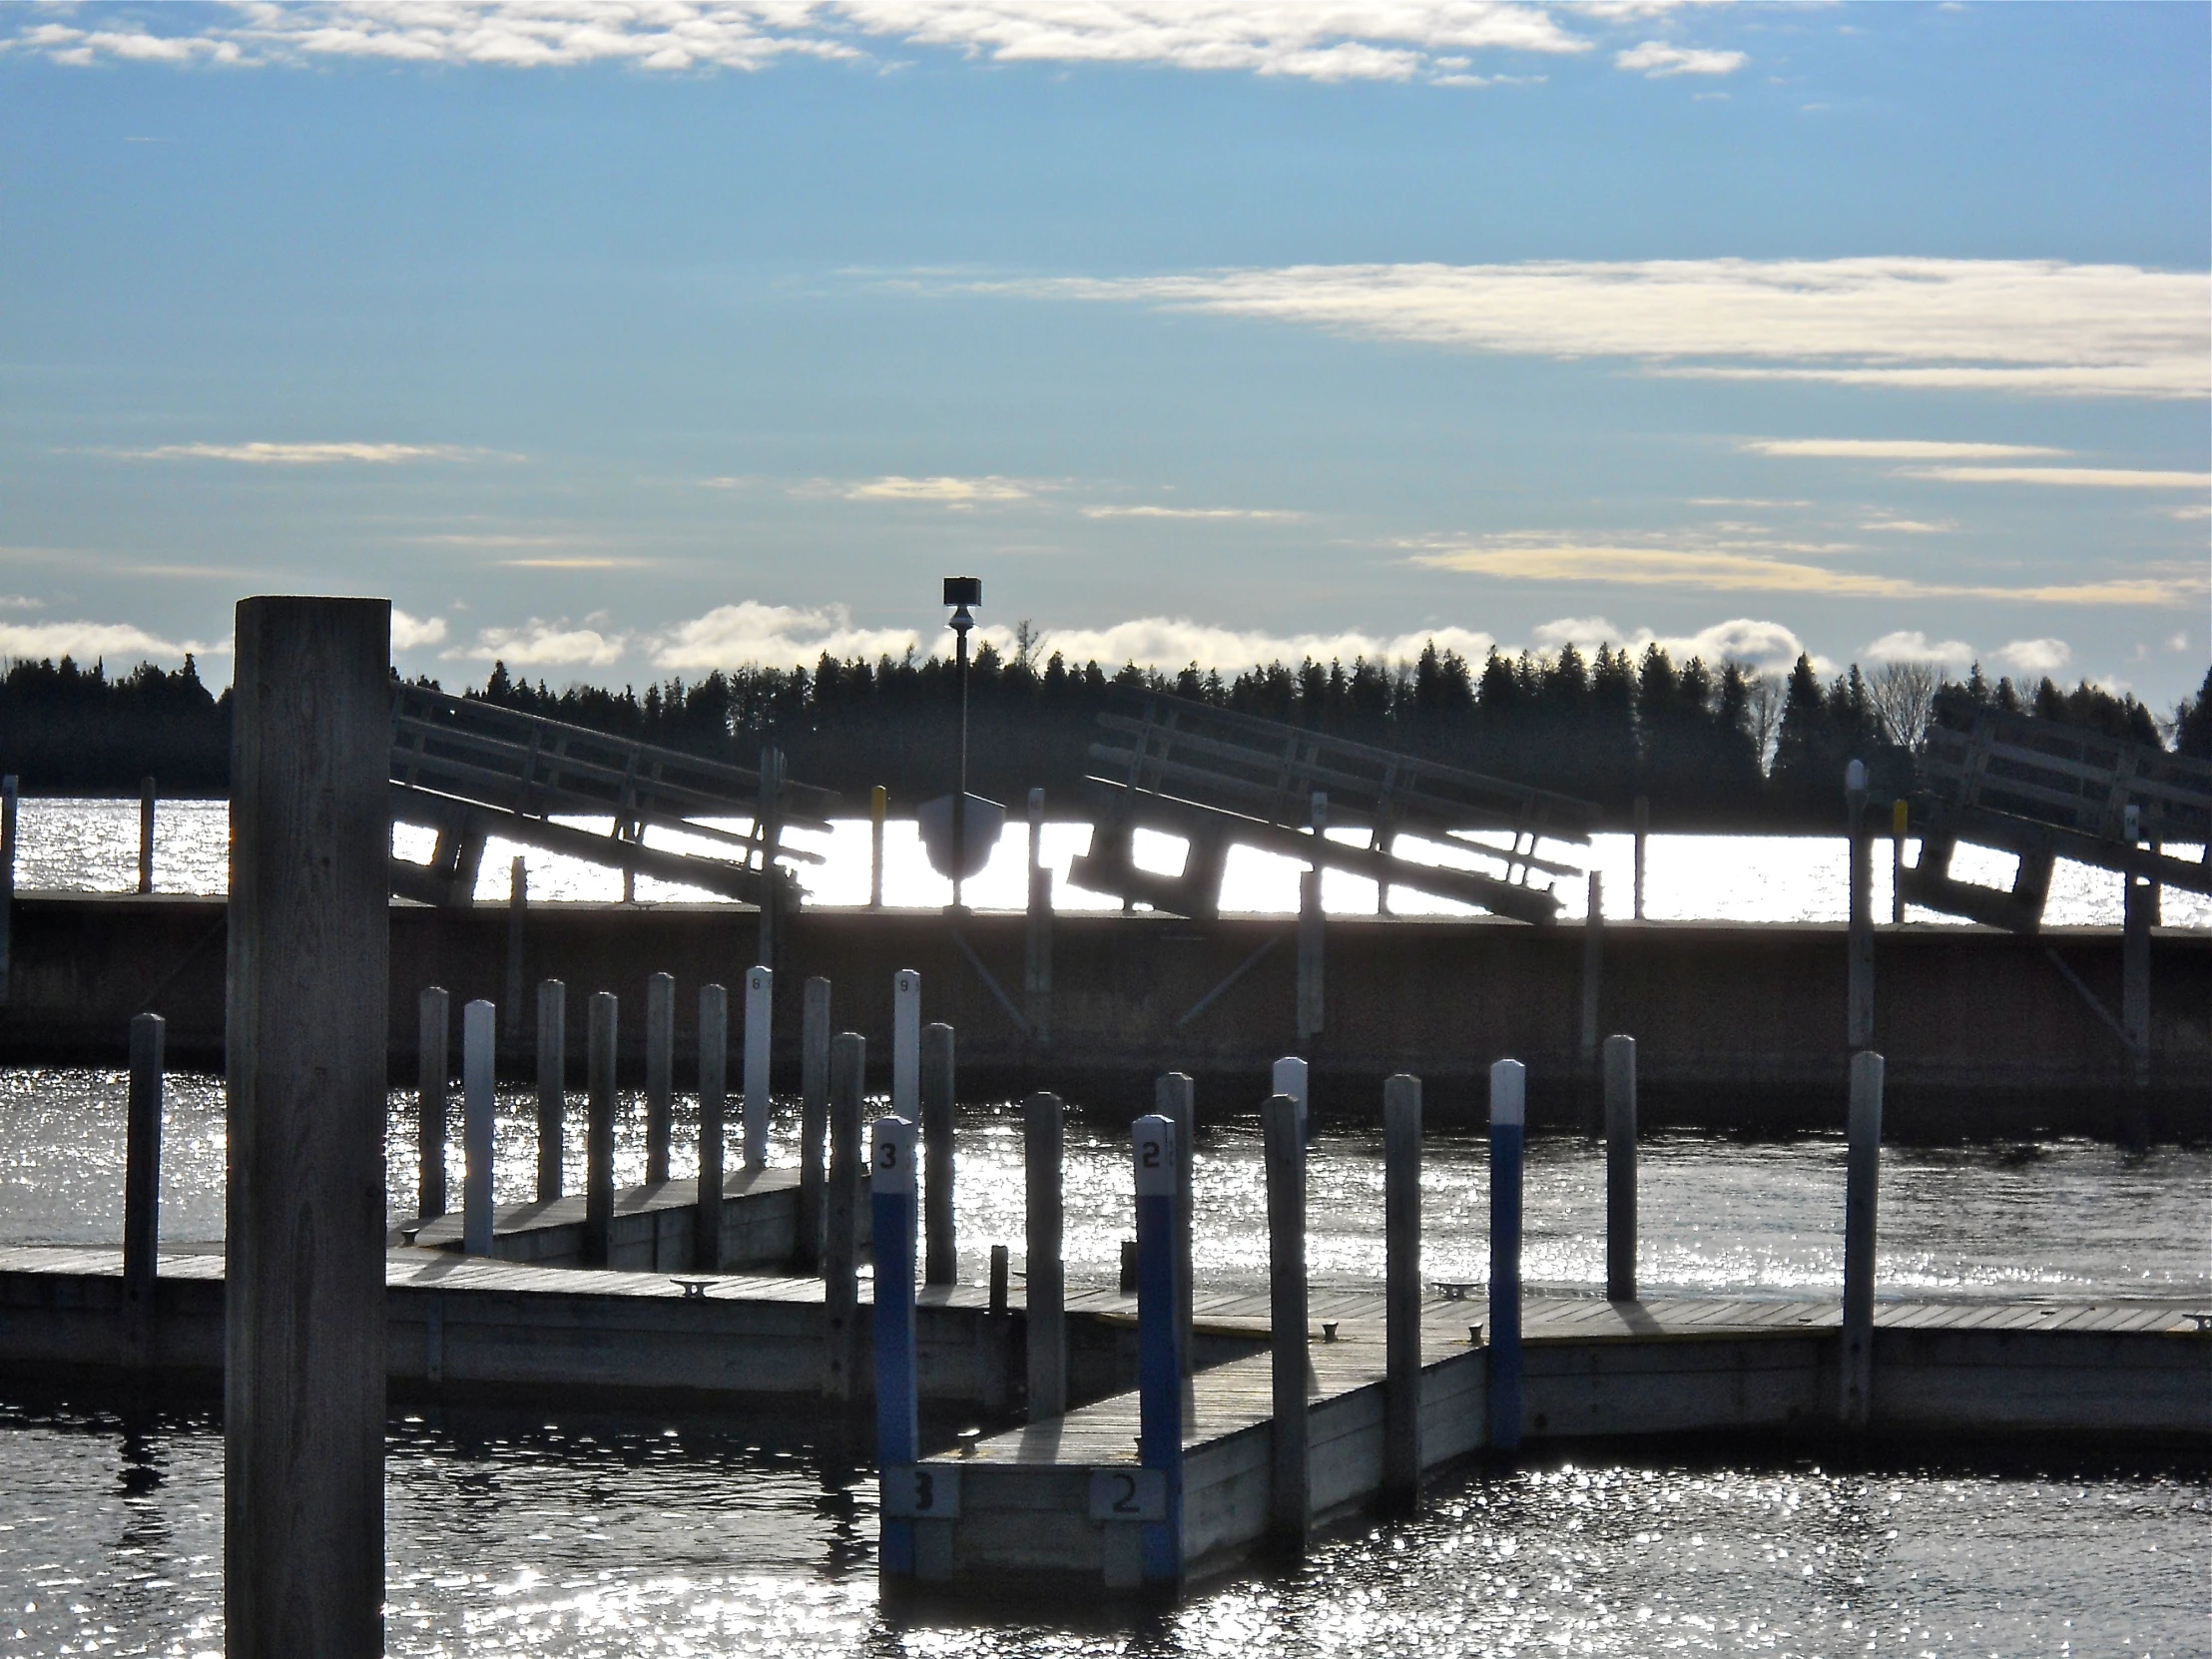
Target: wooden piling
{"points": [[432, 1069], [146, 834], [2139, 899], [518, 911], [660, 1073], [942, 1263], [1620, 1169], [1313, 934], [714, 1079], [552, 1087], [1037, 956], [840, 1344], [1290, 1498], [479, 1053], [1859, 1010], [1292, 1076], [1593, 979], [1174, 1097], [898, 1394], [1862, 1183], [1508, 1116], [599, 1127], [1402, 1135], [770, 821], [7, 884], [906, 1045], [1043, 1152], [1643, 836], [142, 1189], [1002, 1273], [813, 1117], [760, 1047], [305, 1349], [878, 806], [1900, 821]]}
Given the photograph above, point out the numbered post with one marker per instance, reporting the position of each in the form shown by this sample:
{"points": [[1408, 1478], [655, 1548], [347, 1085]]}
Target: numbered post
{"points": [[714, 1088], [906, 1045], [1402, 1449], [660, 1069], [1174, 1097], [1862, 1181], [1292, 1076], [813, 1117], [598, 1129], [760, 1014], [435, 1034], [942, 1252], [1620, 1169], [1045, 1302], [841, 1295], [479, 1050], [1160, 1341], [1290, 1505], [897, 1409], [1508, 1117], [552, 1086]]}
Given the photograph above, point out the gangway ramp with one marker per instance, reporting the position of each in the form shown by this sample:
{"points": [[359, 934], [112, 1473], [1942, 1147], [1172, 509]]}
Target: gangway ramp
{"points": [[1218, 778], [470, 770]]}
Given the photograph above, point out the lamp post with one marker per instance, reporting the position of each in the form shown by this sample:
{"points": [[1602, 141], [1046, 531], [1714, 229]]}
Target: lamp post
{"points": [[960, 592]]}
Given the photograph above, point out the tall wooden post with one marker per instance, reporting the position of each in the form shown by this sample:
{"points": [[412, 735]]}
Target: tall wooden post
{"points": [[1900, 821], [1292, 1076], [878, 805], [1038, 960], [770, 821], [304, 1277], [2139, 911], [660, 1073], [1043, 1148], [713, 1077], [1859, 991], [518, 914], [1509, 1118], [433, 1009], [1290, 1500], [840, 1293], [1402, 1451], [1620, 1169], [1643, 835], [552, 1087], [599, 1128], [480, 1052], [1159, 1368], [146, 834], [1593, 979], [890, 1168], [759, 1017], [1862, 1181], [7, 884], [1174, 1097], [942, 1255], [142, 1189], [813, 1119], [906, 1045]]}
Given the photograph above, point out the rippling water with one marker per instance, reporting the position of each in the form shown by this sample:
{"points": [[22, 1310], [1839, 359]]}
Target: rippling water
{"points": [[92, 845]]}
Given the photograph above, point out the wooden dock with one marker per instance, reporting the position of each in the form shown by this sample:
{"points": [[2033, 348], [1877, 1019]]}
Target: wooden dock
{"points": [[652, 1226]]}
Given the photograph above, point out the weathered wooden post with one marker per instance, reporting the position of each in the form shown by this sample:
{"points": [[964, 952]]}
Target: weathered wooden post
{"points": [[1292, 1076], [434, 1011], [599, 1128], [1593, 979], [1508, 1114], [1313, 932], [146, 834], [518, 912], [771, 824], [142, 1189], [1643, 835], [552, 1087], [1402, 1453], [906, 1045], [1861, 987], [2138, 911], [813, 1117], [878, 805], [1046, 1299], [1620, 1169], [303, 1277], [942, 1265], [1900, 821], [898, 1412], [714, 1081], [1290, 1499], [479, 1045], [1038, 960], [1159, 1362], [1862, 1181], [1174, 1097], [7, 883], [660, 1073], [759, 1017], [840, 1297]]}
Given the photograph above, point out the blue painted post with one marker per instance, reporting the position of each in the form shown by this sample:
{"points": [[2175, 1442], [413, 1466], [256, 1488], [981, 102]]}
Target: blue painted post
{"points": [[1160, 1342], [1508, 1114], [897, 1419], [479, 1046]]}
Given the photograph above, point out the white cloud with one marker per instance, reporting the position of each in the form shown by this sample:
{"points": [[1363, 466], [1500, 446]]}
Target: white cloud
{"points": [[938, 491], [298, 454], [1265, 513], [753, 635], [1768, 647], [409, 633], [1655, 58], [2033, 327], [1912, 646], [1893, 449], [541, 644], [2077, 477], [1908, 526], [1169, 643], [89, 641], [2035, 656]]}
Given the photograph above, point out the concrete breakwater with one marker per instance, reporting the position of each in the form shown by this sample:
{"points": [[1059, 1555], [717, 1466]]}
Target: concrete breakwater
{"points": [[1739, 1025]]}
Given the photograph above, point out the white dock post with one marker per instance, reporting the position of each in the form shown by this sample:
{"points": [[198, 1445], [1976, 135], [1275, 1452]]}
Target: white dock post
{"points": [[1292, 1076], [1643, 835], [305, 1348], [1862, 1181], [146, 834], [897, 1405], [760, 1015], [1620, 1169], [479, 1049], [1160, 1364], [1045, 1301], [1860, 1010], [943, 1263], [142, 1189], [1174, 1097], [432, 1051], [1038, 960], [552, 1087], [1290, 1493], [518, 912], [906, 1045], [660, 1073], [878, 806], [714, 1082], [1508, 1116], [1402, 1135], [813, 1117], [840, 1297], [7, 883], [599, 1128]]}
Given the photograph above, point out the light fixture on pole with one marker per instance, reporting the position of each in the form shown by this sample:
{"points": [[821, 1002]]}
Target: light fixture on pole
{"points": [[945, 823]]}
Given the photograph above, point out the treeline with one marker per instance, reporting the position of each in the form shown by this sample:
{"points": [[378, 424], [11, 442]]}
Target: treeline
{"points": [[1726, 747]]}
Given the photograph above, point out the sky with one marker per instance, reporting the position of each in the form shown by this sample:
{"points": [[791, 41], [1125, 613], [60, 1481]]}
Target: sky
{"points": [[620, 341]]}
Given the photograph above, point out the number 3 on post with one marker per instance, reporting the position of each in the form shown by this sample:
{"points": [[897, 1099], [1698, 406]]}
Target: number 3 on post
{"points": [[921, 1491]]}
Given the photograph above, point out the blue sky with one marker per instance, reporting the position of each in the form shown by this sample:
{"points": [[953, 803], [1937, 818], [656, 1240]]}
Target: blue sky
{"points": [[634, 339]]}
